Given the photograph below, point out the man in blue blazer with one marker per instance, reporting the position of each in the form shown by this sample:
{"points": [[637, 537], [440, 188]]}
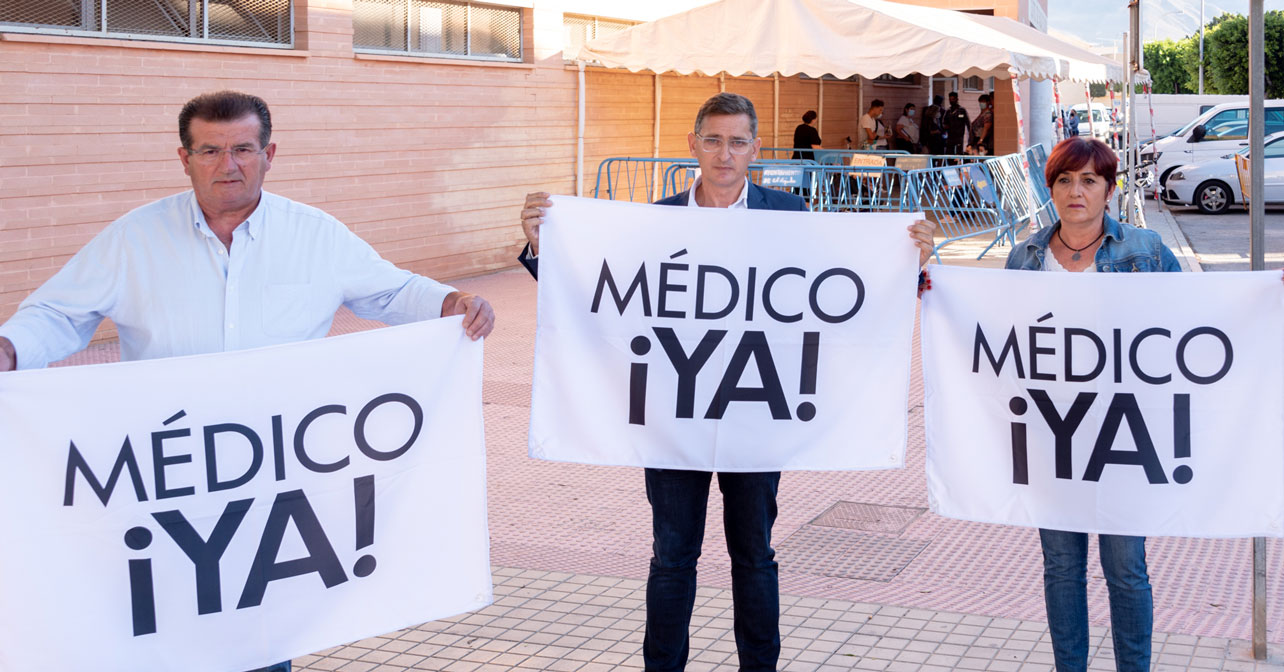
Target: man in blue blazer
{"points": [[725, 141]]}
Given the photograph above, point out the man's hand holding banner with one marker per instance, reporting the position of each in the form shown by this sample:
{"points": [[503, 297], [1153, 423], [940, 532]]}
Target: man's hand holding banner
{"points": [[722, 339], [1143, 404], [224, 512]]}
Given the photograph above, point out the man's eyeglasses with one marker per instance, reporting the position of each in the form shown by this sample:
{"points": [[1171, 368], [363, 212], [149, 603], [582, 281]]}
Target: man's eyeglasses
{"points": [[209, 155], [738, 146]]}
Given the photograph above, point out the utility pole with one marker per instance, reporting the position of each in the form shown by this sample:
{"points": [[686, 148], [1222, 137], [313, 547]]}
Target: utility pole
{"points": [[1201, 47], [1256, 252]]}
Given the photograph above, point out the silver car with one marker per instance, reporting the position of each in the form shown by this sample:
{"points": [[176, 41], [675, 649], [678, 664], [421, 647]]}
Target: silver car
{"points": [[1213, 186]]}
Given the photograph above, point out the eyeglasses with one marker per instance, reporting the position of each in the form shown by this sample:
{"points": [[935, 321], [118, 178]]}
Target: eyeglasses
{"points": [[210, 156], [739, 146]]}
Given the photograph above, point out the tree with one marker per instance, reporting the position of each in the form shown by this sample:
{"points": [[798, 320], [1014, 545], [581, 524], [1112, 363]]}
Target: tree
{"points": [[1227, 48], [1190, 63], [1164, 61]]}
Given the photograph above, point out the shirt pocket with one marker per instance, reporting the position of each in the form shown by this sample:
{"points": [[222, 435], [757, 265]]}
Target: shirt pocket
{"points": [[289, 310]]}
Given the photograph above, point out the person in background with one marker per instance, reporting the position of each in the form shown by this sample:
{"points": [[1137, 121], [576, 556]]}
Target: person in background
{"points": [[983, 128], [873, 133], [1081, 175], [806, 137], [1073, 125], [956, 126], [932, 135], [907, 132]]}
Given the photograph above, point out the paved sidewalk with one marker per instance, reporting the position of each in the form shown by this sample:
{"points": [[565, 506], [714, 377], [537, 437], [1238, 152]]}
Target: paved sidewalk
{"points": [[575, 622]]}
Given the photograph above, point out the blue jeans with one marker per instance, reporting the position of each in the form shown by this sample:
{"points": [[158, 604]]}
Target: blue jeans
{"points": [[1065, 591], [279, 667], [678, 502]]}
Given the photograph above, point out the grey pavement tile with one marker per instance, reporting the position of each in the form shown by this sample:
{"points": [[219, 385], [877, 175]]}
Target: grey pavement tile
{"points": [[950, 650], [921, 646], [577, 623], [812, 656], [852, 651], [912, 657]]}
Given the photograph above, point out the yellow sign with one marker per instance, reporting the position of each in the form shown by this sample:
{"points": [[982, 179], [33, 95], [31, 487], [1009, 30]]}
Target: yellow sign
{"points": [[1245, 181]]}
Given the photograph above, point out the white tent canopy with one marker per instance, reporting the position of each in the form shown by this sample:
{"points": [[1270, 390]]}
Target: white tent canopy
{"points": [[844, 38]]}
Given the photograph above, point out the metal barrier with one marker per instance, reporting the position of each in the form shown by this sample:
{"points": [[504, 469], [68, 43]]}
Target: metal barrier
{"points": [[963, 202], [627, 178], [1037, 160], [826, 156], [861, 189], [1020, 204], [942, 160], [788, 174], [966, 195]]}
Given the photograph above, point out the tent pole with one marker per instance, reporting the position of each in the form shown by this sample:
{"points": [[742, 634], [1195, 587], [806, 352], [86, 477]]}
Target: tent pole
{"points": [[820, 106], [1087, 95], [579, 133], [860, 106], [655, 144], [775, 109]]}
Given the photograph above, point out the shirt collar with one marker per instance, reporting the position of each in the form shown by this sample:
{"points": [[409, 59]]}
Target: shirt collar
{"points": [[740, 203], [253, 224]]}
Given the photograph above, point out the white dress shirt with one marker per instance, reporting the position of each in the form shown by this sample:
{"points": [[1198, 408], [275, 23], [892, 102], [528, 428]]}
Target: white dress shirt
{"points": [[172, 288], [741, 203]]}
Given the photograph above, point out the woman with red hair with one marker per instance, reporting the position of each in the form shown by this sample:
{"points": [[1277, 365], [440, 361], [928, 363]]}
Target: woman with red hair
{"points": [[1081, 176]]}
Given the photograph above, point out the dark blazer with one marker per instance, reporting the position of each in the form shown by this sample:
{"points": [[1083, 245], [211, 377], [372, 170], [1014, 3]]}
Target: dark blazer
{"points": [[759, 198]]}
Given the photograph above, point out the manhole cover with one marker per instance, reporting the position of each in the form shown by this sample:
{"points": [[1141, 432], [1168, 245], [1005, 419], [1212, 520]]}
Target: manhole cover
{"points": [[829, 551], [875, 518]]}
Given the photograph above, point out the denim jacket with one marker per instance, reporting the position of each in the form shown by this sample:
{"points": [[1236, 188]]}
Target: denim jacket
{"points": [[1124, 249]]}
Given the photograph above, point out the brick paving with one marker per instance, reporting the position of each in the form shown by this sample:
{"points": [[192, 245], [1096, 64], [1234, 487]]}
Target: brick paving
{"points": [[870, 579]]}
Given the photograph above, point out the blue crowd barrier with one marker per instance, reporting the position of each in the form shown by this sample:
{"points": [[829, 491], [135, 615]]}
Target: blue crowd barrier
{"points": [[963, 202]]}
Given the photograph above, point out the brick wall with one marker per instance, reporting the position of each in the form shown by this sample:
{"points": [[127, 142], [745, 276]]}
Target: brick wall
{"points": [[428, 159]]}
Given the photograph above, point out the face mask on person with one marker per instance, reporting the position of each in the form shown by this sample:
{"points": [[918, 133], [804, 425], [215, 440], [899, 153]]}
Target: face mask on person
{"points": [[879, 115], [909, 113]]}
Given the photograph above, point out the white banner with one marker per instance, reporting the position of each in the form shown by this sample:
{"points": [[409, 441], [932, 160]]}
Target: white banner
{"points": [[1123, 403], [716, 339], [223, 512]]}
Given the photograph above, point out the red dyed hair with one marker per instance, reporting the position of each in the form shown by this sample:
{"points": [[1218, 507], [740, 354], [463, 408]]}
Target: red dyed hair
{"points": [[1075, 152]]}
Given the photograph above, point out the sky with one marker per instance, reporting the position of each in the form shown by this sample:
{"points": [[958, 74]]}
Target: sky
{"points": [[1103, 22]]}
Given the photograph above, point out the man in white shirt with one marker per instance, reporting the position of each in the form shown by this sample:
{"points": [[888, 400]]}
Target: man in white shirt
{"points": [[224, 266], [873, 132]]}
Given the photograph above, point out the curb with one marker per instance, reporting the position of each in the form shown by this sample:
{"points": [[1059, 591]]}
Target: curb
{"points": [[1184, 249]]}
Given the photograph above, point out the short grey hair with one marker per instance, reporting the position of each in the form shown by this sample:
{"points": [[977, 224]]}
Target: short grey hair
{"points": [[728, 104]]}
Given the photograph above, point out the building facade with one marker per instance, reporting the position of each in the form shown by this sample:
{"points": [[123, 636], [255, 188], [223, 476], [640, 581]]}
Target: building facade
{"points": [[419, 124]]}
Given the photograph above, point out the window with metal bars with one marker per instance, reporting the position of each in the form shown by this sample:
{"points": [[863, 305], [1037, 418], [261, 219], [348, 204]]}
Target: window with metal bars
{"points": [[580, 29], [233, 22], [442, 29]]}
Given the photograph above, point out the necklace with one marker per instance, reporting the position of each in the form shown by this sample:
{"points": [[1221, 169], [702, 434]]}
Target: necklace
{"points": [[1076, 256]]}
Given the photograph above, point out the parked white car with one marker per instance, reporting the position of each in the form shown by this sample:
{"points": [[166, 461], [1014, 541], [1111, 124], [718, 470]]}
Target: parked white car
{"points": [[1213, 186], [1215, 133]]}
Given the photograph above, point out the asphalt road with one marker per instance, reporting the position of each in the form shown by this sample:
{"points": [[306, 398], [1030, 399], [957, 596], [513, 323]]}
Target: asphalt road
{"points": [[1221, 241]]}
